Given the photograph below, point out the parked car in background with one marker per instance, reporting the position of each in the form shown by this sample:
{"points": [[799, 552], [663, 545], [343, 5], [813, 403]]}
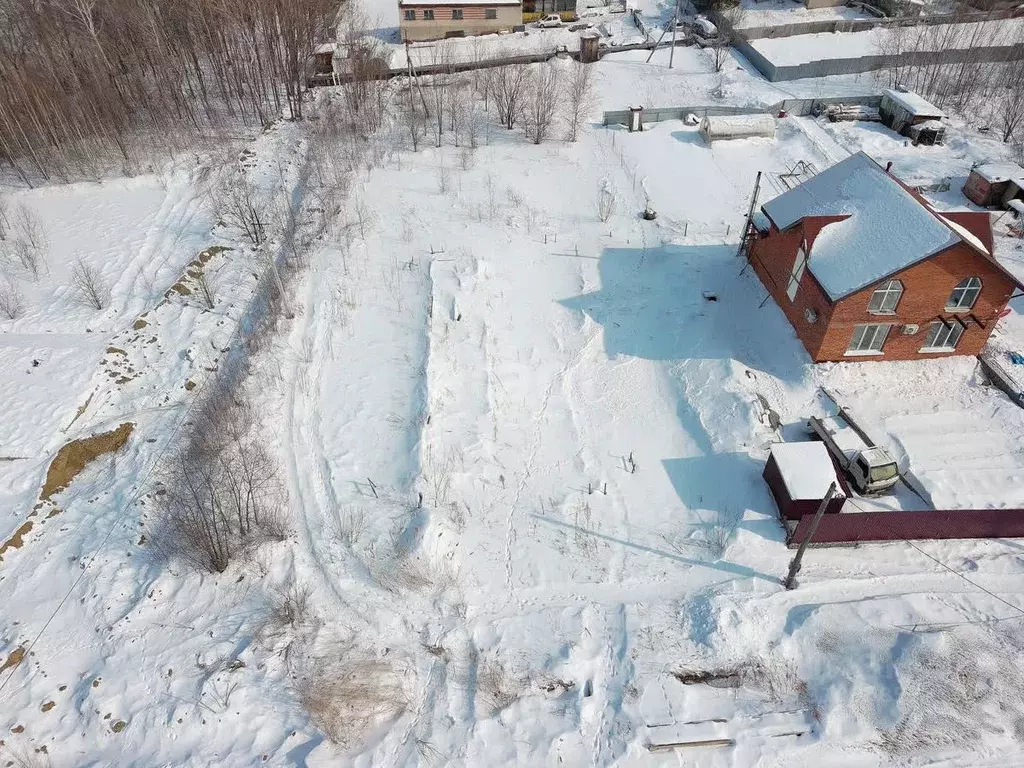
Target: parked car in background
{"points": [[704, 31], [550, 20]]}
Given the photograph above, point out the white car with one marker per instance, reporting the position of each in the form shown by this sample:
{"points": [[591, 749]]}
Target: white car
{"points": [[551, 20]]}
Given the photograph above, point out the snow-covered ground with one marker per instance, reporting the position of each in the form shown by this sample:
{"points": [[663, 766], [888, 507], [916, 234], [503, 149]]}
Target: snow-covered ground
{"points": [[765, 13], [523, 449]]}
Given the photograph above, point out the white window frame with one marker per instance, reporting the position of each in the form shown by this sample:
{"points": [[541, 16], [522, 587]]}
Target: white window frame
{"points": [[799, 267], [888, 297], [941, 334], [428, 15], [410, 14], [868, 339], [456, 14], [968, 287], [490, 14]]}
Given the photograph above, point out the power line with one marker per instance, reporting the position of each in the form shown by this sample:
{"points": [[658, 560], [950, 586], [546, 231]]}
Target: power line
{"points": [[974, 584], [235, 337]]}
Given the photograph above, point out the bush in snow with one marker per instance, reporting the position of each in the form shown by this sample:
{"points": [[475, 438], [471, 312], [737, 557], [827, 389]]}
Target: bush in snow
{"points": [[605, 202], [353, 696], [12, 302], [220, 493]]}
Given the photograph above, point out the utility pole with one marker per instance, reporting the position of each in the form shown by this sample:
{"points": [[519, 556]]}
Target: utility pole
{"points": [[794, 567], [675, 23], [750, 214]]}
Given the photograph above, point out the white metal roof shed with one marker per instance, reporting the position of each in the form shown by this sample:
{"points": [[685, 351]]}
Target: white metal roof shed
{"points": [[914, 104], [996, 173], [806, 469]]}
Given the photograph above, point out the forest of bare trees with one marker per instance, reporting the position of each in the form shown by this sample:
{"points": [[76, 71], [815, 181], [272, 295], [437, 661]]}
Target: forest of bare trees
{"points": [[990, 92], [85, 83]]}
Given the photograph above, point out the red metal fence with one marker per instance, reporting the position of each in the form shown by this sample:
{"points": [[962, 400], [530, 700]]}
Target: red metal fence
{"points": [[852, 527]]}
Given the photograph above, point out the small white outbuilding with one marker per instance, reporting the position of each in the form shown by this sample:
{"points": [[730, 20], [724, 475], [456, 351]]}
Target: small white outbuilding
{"points": [[737, 127]]}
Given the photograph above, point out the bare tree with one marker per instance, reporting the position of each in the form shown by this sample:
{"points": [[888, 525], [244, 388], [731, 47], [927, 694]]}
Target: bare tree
{"points": [[207, 289], [88, 285], [509, 85], [720, 50], [579, 97], [30, 240], [219, 493], [1011, 102], [90, 84], [4, 224], [727, 19], [542, 103], [12, 302], [241, 204], [440, 84]]}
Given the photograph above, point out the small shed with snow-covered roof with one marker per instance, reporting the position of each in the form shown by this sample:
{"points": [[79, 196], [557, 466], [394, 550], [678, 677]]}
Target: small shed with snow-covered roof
{"points": [[715, 128], [995, 184], [798, 475], [902, 109]]}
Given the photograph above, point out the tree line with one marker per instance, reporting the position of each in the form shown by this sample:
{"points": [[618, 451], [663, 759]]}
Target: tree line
{"points": [[970, 83], [88, 83]]}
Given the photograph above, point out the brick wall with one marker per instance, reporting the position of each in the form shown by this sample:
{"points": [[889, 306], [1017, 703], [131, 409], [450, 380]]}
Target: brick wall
{"points": [[926, 288], [772, 257]]}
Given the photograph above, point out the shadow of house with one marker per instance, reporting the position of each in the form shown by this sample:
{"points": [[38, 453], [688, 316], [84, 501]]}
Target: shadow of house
{"points": [[719, 488], [690, 307], [678, 303]]}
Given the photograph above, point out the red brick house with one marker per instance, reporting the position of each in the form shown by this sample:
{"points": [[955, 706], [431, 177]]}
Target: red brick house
{"points": [[865, 269]]}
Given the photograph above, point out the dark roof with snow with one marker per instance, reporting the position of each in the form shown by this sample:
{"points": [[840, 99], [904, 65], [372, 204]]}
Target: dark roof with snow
{"points": [[878, 227]]}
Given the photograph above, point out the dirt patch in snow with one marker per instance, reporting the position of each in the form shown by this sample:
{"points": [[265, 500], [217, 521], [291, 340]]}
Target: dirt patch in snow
{"points": [[14, 658], [76, 455], [16, 540]]}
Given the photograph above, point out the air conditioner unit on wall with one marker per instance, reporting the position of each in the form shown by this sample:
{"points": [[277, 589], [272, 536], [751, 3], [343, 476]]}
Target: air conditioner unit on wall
{"points": [[910, 329]]}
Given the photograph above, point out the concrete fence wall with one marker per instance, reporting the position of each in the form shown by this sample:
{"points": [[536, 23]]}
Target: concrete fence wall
{"points": [[823, 68], [795, 107], [859, 25]]}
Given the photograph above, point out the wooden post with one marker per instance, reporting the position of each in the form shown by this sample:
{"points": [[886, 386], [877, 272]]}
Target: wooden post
{"points": [[794, 567]]}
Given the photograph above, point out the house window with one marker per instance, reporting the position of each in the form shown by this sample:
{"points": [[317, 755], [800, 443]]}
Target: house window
{"points": [[456, 14], [943, 336], [798, 272], [410, 15], [885, 298], [428, 15], [868, 339], [965, 294], [491, 13]]}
